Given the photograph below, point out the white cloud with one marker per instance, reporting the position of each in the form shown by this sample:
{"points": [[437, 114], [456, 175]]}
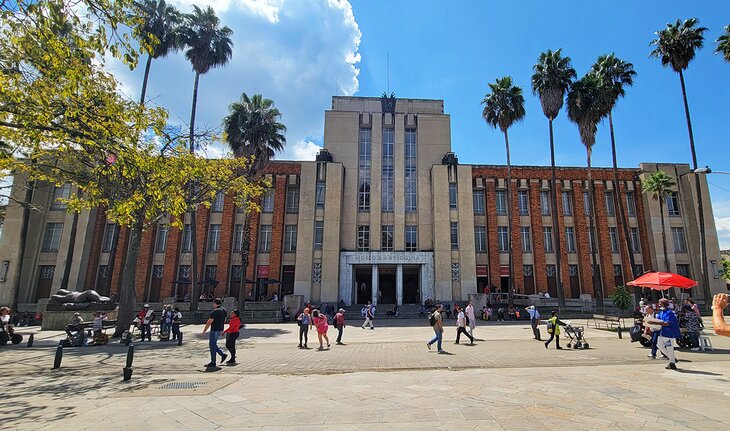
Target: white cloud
{"points": [[721, 209], [297, 53]]}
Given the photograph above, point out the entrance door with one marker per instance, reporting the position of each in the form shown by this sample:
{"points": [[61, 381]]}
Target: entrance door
{"points": [[411, 287], [363, 282], [45, 282], [386, 285]]}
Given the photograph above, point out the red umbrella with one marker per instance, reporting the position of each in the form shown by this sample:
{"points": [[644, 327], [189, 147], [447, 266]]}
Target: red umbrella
{"points": [[663, 281]]}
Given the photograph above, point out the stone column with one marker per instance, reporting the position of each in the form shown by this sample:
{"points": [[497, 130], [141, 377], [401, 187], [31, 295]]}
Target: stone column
{"points": [[375, 285], [399, 285]]}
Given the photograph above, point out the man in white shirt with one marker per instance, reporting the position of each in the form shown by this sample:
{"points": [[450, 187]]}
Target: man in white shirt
{"points": [[472, 320], [534, 321]]}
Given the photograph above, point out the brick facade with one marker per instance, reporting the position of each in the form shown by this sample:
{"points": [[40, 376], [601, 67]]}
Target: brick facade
{"points": [[225, 252]]}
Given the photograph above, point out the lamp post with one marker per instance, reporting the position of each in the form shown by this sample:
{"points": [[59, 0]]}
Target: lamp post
{"points": [[703, 244]]}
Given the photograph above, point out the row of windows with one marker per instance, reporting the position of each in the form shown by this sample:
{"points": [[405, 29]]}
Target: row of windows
{"points": [[528, 271], [387, 238]]}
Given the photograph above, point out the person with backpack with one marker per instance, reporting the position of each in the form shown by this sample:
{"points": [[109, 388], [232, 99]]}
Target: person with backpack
{"points": [[369, 316], [461, 322], [553, 328], [436, 321], [232, 333], [339, 322]]}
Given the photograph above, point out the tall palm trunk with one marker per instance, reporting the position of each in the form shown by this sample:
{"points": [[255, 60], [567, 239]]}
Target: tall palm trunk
{"points": [[664, 232], [193, 214], [556, 227], [127, 293], [510, 283], [701, 211], [23, 241], [71, 247], [621, 219], [144, 81], [593, 241]]}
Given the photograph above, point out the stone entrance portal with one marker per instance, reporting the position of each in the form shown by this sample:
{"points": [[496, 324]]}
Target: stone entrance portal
{"points": [[398, 276]]}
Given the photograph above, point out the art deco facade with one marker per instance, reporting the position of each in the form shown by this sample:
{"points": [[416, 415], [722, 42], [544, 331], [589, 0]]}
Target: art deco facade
{"points": [[386, 213]]}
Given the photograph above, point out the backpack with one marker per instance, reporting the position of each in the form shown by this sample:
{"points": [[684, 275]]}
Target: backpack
{"points": [[432, 319], [550, 326]]}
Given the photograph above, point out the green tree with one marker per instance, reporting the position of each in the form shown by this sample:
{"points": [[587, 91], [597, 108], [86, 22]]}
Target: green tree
{"points": [[621, 298], [723, 44], [207, 45], [551, 79], [726, 269], [675, 46], [252, 129], [659, 185], [616, 74], [503, 107], [587, 105]]}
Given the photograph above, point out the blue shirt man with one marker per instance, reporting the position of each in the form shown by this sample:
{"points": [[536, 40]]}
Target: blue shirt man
{"points": [[669, 331]]}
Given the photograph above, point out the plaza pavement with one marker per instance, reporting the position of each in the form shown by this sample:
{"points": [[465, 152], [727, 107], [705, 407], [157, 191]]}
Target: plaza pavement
{"points": [[381, 379]]}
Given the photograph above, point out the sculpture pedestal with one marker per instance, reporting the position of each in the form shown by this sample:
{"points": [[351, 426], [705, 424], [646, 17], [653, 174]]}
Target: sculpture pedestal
{"points": [[57, 320]]}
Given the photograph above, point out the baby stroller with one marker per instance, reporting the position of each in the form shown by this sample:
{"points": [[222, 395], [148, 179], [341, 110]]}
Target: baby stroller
{"points": [[575, 333]]}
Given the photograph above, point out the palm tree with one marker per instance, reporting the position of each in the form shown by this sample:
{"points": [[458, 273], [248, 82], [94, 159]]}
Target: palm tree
{"points": [[503, 107], [207, 45], [252, 128], [659, 185], [159, 34], [675, 46], [615, 74], [723, 44], [586, 108], [551, 80]]}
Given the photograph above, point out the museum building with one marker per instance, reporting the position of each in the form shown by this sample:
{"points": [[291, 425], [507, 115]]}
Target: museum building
{"points": [[385, 214]]}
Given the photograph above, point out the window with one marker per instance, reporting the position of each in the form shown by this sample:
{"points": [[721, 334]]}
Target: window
{"points": [[59, 194], [635, 244], [364, 170], [617, 271], [267, 204], [265, 238], [630, 204], [683, 269], [236, 273], [528, 270], [570, 239], [503, 239], [109, 233], [187, 238], [290, 238], [478, 195], [454, 236], [592, 239], [480, 239], [573, 270], [218, 201], [157, 271], [319, 198], [411, 238], [183, 272], [411, 173], [550, 270], [52, 237], [545, 203], [567, 204], [673, 204], [522, 203], [452, 196], [586, 203], [638, 270], [388, 170], [238, 238], [161, 242], [318, 234], [240, 209], [613, 234], [363, 238], [386, 240], [292, 200], [214, 238], [210, 272], [526, 239], [501, 202], [680, 245], [547, 233], [610, 207]]}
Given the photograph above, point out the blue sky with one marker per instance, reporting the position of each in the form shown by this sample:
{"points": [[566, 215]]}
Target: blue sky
{"points": [[301, 52]]}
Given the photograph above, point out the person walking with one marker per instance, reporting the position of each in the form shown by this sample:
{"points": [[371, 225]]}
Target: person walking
{"points": [[215, 323], [305, 322], [437, 323], [232, 333], [652, 329], [668, 333], [471, 318], [461, 325], [534, 321], [176, 318], [692, 324], [369, 316], [166, 322], [553, 328], [320, 322], [339, 323], [146, 316]]}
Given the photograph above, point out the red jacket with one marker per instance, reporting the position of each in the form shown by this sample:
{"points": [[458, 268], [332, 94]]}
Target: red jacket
{"points": [[234, 325]]}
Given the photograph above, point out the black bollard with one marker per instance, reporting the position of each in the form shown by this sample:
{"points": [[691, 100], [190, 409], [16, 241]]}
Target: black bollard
{"points": [[59, 356], [127, 373], [620, 337], [30, 340], [130, 356], [179, 338]]}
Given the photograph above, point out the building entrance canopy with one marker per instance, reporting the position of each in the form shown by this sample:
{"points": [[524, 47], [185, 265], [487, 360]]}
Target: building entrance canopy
{"points": [[375, 259]]}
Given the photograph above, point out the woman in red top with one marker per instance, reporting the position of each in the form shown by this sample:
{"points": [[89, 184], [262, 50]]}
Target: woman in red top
{"points": [[232, 332], [320, 321]]}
